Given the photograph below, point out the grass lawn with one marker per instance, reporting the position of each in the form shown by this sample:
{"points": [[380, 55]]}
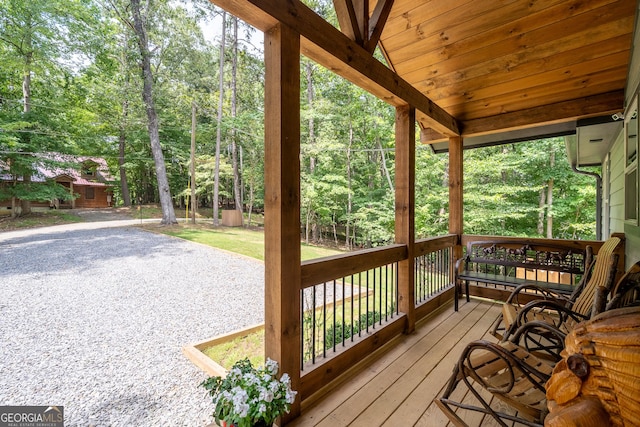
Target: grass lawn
{"points": [[227, 353], [236, 239], [37, 219]]}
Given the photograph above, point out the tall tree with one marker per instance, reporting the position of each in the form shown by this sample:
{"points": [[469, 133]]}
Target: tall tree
{"points": [[43, 36], [216, 178], [166, 202], [234, 107]]}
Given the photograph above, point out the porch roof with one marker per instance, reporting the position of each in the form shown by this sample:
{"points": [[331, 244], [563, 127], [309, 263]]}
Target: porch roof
{"points": [[500, 65]]}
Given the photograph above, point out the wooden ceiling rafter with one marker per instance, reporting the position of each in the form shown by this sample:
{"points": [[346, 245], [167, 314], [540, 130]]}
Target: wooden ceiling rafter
{"points": [[358, 24]]}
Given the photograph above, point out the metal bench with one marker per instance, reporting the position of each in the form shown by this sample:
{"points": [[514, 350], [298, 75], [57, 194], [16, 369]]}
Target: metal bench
{"points": [[510, 263]]}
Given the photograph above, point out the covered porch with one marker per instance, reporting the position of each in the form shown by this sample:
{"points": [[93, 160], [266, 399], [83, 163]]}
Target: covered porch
{"points": [[396, 386], [506, 72]]}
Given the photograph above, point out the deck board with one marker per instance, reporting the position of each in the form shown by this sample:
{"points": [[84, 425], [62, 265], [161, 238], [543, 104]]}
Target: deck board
{"points": [[399, 387]]}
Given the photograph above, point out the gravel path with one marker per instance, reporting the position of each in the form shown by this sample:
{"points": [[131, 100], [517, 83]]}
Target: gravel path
{"points": [[95, 320]]}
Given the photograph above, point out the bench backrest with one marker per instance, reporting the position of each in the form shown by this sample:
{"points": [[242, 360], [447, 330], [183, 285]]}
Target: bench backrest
{"points": [[531, 255]]}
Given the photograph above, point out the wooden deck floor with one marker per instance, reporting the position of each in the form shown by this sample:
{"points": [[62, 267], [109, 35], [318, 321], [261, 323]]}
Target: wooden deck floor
{"points": [[398, 388]]}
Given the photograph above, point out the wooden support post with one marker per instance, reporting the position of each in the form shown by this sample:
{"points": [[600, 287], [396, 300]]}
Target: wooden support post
{"points": [[405, 208], [456, 224], [282, 203]]}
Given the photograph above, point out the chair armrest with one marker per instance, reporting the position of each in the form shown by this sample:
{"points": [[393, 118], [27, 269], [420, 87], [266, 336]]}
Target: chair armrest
{"points": [[545, 294], [541, 339], [527, 313]]}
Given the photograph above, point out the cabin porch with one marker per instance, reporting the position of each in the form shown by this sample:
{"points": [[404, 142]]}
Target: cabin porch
{"points": [[398, 386]]}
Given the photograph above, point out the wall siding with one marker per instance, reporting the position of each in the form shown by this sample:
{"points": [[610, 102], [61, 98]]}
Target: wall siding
{"points": [[616, 188]]}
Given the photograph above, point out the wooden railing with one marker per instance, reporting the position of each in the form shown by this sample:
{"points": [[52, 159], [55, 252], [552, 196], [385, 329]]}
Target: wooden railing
{"points": [[349, 304], [433, 267]]}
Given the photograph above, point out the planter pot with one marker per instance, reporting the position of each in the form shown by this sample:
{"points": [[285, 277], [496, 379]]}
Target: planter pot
{"points": [[225, 424]]}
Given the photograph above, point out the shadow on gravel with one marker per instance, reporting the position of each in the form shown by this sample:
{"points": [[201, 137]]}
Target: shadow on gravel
{"points": [[77, 249]]}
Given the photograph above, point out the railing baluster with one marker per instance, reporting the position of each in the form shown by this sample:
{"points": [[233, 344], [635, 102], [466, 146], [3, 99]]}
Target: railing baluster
{"points": [[313, 327]]}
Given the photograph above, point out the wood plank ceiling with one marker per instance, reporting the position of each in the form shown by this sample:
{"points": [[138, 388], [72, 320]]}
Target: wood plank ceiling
{"points": [[497, 65]]}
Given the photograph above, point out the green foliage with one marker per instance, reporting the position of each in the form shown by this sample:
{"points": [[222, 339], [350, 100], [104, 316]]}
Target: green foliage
{"points": [[342, 331], [85, 99]]}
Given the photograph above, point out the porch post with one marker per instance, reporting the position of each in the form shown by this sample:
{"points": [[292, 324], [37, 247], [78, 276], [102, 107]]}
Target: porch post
{"points": [[456, 224], [405, 208], [282, 202]]}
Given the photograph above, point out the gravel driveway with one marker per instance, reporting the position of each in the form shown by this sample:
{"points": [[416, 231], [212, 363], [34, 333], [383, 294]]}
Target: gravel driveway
{"points": [[95, 319]]}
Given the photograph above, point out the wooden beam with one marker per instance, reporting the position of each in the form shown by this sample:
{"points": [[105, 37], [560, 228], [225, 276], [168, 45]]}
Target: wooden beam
{"points": [[597, 105], [405, 209], [348, 21], [455, 186], [282, 202], [378, 19], [456, 204], [329, 47]]}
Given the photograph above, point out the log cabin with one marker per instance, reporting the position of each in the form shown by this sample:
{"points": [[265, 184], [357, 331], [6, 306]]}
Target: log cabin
{"points": [[87, 178]]}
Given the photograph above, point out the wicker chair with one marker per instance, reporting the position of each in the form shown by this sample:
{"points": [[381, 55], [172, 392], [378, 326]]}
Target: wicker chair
{"points": [[518, 376], [557, 310]]}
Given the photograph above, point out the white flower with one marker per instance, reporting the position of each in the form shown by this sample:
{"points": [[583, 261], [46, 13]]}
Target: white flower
{"points": [[271, 366], [286, 380], [291, 396], [251, 379], [266, 395], [262, 408]]}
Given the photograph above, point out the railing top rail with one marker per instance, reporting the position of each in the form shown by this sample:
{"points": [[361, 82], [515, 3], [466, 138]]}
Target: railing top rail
{"points": [[432, 244], [321, 270]]}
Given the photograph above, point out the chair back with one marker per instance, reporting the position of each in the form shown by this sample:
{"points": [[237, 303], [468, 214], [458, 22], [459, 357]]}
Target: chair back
{"points": [[602, 276], [626, 292]]}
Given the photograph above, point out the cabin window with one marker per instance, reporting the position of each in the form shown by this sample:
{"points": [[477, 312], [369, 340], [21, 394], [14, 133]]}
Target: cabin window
{"points": [[90, 193], [631, 164]]}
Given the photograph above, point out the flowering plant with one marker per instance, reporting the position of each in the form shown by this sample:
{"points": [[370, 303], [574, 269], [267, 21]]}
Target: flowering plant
{"points": [[250, 396]]}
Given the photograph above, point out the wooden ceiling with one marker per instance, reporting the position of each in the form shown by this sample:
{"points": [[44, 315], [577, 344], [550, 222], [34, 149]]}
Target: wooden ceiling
{"points": [[497, 65]]}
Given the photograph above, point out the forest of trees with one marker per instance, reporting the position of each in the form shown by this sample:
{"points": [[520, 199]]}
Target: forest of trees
{"points": [[123, 80]]}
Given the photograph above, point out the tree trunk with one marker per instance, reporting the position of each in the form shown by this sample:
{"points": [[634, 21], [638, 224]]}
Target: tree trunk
{"points": [[541, 206], [310, 98], [383, 163], [312, 218], [26, 98], [550, 209], [216, 172], [347, 240], [124, 186], [251, 196], [192, 165], [552, 162], [122, 137], [234, 144], [164, 191]]}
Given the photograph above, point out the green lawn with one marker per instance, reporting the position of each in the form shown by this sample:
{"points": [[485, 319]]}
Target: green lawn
{"points": [[238, 240], [37, 219]]}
